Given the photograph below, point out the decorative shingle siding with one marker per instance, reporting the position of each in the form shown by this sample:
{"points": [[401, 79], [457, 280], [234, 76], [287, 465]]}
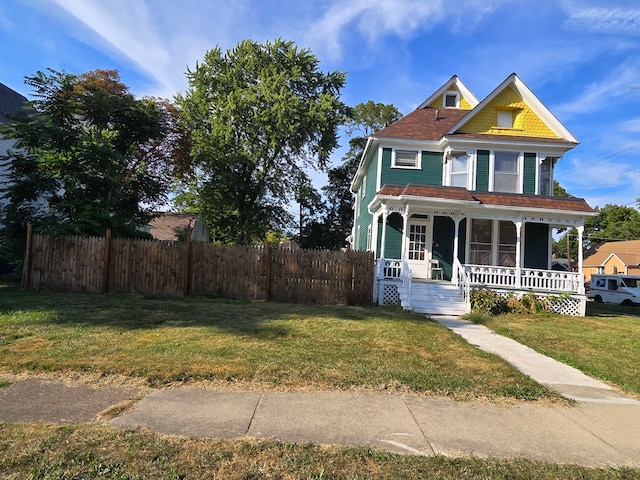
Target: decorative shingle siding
{"points": [[482, 173], [430, 172], [438, 102], [526, 122], [529, 174]]}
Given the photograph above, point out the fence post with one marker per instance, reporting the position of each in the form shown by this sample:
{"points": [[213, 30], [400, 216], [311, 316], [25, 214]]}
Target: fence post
{"points": [[106, 260], [348, 277], [26, 267], [187, 270], [268, 273]]}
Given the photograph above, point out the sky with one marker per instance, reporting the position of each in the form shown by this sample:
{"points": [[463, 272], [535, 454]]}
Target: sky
{"points": [[580, 57]]}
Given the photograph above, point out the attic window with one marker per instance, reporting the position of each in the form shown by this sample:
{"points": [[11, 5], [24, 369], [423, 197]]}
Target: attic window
{"points": [[505, 119], [451, 100], [406, 159]]}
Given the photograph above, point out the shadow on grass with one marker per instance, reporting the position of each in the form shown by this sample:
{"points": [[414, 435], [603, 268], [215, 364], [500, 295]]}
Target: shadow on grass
{"points": [[140, 312], [607, 310]]}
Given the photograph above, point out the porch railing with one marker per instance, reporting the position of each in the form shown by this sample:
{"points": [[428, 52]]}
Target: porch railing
{"points": [[529, 278], [391, 268]]}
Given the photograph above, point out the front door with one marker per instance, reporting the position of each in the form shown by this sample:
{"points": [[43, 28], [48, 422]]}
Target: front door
{"points": [[417, 249]]}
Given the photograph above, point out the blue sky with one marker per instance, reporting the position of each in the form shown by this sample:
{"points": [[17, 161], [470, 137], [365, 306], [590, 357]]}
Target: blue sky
{"points": [[580, 57]]}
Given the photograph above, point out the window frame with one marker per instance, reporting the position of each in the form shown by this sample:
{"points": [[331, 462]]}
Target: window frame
{"points": [[418, 159], [451, 93], [470, 173], [519, 164]]}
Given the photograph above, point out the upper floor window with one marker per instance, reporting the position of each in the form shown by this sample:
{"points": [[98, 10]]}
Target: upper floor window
{"points": [[505, 119], [406, 159], [459, 169], [506, 172], [545, 185], [451, 100]]}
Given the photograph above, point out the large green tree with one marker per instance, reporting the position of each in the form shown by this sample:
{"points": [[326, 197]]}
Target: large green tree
{"points": [[260, 115], [88, 156]]}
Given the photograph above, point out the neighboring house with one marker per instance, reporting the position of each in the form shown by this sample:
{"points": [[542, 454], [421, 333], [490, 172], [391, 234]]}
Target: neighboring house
{"points": [[11, 102], [174, 226], [621, 257], [458, 194]]}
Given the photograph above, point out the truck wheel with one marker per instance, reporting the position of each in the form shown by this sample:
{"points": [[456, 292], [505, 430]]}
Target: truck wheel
{"points": [[598, 299], [627, 303]]}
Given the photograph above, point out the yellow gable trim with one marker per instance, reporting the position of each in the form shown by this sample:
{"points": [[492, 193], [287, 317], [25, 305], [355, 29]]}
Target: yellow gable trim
{"points": [[439, 102], [526, 122]]}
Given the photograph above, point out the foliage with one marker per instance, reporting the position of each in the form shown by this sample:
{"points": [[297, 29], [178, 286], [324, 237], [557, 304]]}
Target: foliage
{"points": [[88, 155], [260, 114], [333, 229], [612, 222], [489, 302]]}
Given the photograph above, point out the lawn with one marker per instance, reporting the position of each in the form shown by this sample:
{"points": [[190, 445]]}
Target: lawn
{"points": [[250, 345], [97, 452], [605, 344]]}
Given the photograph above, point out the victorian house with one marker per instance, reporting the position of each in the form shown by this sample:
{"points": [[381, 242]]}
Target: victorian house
{"points": [[458, 194]]}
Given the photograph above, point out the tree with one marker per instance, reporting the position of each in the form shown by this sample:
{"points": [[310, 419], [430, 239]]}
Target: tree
{"points": [[365, 118], [259, 115], [88, 155], [613, 222]]}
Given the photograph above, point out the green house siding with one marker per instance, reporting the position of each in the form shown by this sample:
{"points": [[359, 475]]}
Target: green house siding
{"points": [[393, 242], [364, 218], [536, 245], [529, 175], [482, 171], [430, 172]]}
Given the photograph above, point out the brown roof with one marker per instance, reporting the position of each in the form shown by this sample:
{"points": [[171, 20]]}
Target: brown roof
{"points": [[167, 225], [424, 124], [627, 251], [488, 198]]}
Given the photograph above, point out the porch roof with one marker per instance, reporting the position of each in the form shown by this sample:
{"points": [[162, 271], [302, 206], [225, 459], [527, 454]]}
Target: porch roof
{"points": [[489, 199]]}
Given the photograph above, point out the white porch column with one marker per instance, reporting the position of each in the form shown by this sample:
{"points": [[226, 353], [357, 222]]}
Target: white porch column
{"points": [[385, 214], [518, 253], [456, 234], [405, 221], [580, 274]]}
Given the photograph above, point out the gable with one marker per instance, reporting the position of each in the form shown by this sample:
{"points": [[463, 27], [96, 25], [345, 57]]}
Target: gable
{"points": [[525, 121], [439, 102]]}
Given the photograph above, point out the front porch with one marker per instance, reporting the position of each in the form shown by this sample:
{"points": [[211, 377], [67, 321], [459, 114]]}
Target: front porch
{"points": [[396, 286]]}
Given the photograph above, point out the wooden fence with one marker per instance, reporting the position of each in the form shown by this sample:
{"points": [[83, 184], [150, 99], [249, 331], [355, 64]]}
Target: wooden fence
{"points": [[116, 265]]}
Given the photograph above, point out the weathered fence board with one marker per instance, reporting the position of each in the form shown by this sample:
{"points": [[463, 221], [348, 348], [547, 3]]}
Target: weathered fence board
{"points": [[77, 264]]}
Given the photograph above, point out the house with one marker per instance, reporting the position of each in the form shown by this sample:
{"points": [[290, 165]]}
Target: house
{"points": [[169, 226], [621, 257], [11, 102], [459, 194]]}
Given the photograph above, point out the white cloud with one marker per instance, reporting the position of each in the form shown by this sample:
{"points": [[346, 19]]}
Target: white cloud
{"points": [[606, 20]]}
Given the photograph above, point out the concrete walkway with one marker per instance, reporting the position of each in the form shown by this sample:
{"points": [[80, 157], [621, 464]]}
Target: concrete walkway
{"points": [[566, 380], [603, 429]]}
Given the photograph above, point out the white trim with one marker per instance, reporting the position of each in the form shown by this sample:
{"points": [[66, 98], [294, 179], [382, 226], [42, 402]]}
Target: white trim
{"points": [[379, 169], [418, 158], [532, 102], [457, 84]]}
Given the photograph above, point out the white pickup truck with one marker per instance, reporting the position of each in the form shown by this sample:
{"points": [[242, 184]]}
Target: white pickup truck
{"points": [[620, 289]]}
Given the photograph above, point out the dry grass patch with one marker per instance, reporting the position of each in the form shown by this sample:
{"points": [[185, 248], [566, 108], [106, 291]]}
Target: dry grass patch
{"points": [[97, 452], [273, 346]]}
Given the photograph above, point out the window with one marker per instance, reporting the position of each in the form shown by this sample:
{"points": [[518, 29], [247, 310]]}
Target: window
{"points": [[369, 238], [480, 252], [451, 100], [417, 241], [507, 245], [363, 187], [506, 172], [545, 186], [459, 169], [406, 159], [614, 270], [505, 119]]}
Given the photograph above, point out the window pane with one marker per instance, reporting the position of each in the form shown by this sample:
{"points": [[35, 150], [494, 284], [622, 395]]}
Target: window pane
{"points": [[507, 245], [406, 158], [506, 178], [480, 253], [545, 177]]}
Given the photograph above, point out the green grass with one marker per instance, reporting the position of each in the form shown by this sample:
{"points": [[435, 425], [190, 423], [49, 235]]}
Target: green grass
{"points": [[267, 345], [605, 344], [98, 452]]}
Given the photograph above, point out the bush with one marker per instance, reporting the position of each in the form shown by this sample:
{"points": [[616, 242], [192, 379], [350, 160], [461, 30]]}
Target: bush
{"points": [[489, 302]]}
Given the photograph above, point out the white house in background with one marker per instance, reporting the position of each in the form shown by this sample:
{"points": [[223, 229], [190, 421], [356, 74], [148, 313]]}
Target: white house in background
{"points": [[459, 194], [11, 102]]}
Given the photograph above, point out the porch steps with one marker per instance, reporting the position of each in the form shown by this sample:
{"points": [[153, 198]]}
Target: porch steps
{"points": [[435, 298]]}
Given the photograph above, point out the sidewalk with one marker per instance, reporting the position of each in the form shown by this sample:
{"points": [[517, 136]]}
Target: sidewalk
{"points": [[604, 429]]}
